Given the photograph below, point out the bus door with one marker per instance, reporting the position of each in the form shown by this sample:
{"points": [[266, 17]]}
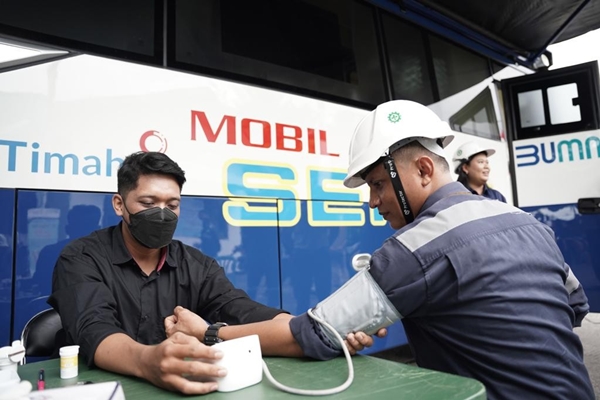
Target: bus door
{"points": [[553, 127]]}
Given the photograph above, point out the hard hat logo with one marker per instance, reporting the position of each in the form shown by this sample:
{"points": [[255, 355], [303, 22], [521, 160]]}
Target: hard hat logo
{"points": [[459, 153], [394, 117]]}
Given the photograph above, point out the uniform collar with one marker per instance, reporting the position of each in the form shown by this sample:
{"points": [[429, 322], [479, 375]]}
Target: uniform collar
{"points": [[120, 254], [449, 189], [485, 190]]}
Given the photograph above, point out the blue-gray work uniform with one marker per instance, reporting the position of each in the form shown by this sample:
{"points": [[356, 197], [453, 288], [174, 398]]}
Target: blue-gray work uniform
{"points": [[485, 293]]}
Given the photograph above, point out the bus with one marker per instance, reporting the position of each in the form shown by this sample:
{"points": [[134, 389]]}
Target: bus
{"points": [[257, 107]]}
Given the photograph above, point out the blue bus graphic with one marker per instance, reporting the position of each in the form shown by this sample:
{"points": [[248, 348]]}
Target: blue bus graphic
{"points": [[568, 151]]}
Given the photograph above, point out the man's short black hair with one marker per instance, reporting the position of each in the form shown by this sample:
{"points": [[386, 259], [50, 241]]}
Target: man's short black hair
{"points": [[414, 149], [146, 163]]}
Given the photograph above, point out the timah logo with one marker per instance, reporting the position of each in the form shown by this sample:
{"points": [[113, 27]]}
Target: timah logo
{"points": [[562, 151]]}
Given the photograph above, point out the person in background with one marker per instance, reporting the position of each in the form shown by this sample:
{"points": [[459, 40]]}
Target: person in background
{"points": [[82, 220], [122, 290], [481, 286], [472, 166]]}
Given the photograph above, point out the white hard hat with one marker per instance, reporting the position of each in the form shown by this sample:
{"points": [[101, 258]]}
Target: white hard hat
{"points": [[394, 124], [466, 151]]}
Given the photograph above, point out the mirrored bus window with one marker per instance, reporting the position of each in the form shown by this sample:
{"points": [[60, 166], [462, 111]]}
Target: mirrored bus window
{"points": [[456, 69], [409, 67], [85, 25], [306, 44], [477, 117]]}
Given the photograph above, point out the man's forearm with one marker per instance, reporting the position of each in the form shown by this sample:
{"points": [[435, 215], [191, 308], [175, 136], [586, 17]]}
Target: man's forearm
{"points": [[276, 338], [120, 353]]}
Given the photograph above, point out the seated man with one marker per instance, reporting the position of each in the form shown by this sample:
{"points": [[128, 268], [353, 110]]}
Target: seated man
{"points": [[114, 288]]}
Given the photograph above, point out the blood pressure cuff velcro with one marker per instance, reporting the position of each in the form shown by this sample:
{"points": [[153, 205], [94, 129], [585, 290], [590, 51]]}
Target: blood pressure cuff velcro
{"points": [[359, 305]]}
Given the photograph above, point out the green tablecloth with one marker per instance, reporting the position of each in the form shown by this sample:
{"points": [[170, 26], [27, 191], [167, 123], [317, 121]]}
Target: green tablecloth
{"points": [[375, 378]]}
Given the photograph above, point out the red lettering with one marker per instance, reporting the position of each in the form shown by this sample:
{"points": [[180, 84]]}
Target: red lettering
{"points": [[311, 141], [323, 144], [266, 133], [211, 136], [257, 133], [296, 137]]}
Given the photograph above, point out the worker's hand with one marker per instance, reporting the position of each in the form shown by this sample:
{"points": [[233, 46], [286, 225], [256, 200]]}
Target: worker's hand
{"points": [[179, 363], [185, 321], [359, 340]]}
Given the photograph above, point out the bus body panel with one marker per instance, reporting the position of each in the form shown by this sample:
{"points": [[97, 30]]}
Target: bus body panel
{"points": [[552, 173], [557, 169], [578, 237], [7, 218], [554, 130], [288, 267], [265, 168]]}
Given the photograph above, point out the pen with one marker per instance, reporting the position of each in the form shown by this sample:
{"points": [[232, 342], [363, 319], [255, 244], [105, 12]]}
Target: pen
{"points": [[112, 396], [41, 383]]}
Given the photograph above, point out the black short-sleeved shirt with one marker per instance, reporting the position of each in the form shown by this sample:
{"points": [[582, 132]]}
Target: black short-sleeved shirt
{"points": [[98, 290]]}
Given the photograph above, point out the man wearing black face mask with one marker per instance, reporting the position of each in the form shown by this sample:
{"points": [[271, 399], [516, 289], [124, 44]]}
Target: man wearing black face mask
{"points": [[154, 227], [114, 288]]}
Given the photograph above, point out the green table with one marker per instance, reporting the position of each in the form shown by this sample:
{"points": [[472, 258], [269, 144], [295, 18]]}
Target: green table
{"points": [[374, 377]]}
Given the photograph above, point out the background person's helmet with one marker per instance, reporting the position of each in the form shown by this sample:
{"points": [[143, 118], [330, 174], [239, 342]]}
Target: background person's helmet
{"points": [[466, 151], [390, 123]]}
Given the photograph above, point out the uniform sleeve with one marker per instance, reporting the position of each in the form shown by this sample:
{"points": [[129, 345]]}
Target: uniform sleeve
{"points": [[400, 275], [502, 198], [577, 298], [84, 302], [221, 301], [311, 339]]}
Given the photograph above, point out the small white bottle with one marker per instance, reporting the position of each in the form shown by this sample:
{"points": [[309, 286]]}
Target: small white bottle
{"points": [[69, 366]]}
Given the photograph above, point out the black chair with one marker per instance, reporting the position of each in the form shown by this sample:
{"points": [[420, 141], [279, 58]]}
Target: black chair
{"points": [[39, 334]]}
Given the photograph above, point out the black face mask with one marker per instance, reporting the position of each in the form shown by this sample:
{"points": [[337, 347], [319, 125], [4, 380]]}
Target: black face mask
{"points": [[154, 227]]}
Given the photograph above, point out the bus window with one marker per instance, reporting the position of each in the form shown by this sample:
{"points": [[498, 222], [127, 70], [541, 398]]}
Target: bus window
{"points": [[477, 117], [553, 102], [83, 25], [409, 65], [456, 69], [306, 44]]}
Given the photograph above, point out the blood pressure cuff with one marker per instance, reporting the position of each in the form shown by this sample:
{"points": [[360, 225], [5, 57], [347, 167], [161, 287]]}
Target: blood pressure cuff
{"points": [[359, 305]]}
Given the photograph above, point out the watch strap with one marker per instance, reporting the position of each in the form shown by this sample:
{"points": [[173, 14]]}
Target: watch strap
{"points": [[211, 336]]}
